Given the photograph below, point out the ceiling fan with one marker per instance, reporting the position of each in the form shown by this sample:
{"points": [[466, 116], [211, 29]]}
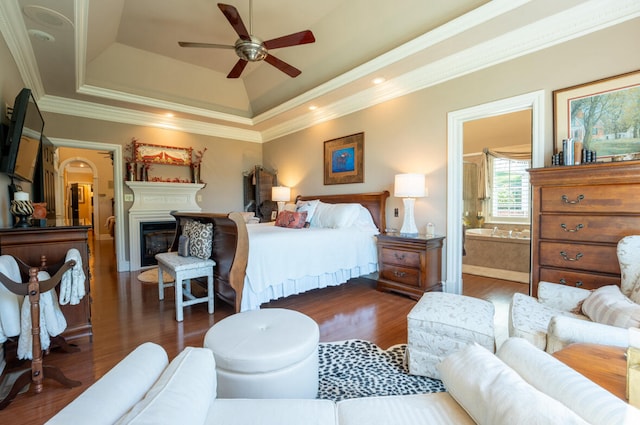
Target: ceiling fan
{"points": [[250, 48]]}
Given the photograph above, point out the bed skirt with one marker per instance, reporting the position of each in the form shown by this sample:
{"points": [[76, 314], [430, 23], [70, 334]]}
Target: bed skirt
{"points": [[252, 300]]}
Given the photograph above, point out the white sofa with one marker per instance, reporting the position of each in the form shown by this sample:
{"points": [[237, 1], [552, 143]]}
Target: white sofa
{"points": [[518, 385]]}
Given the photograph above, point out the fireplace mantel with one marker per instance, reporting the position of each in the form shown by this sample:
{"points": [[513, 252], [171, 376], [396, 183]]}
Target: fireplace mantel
{"points": [[154, 201], [164, 196]]}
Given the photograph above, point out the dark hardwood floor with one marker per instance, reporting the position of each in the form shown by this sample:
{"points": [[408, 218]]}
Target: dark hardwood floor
{"points": [[126, 312]]}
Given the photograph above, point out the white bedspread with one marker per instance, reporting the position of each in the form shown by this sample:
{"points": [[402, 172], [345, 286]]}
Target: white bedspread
{"points": [[284, 261]]}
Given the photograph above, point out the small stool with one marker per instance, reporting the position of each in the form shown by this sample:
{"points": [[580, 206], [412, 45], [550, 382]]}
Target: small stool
{"points": [[441, 324], [182, 269], [269, 353]]}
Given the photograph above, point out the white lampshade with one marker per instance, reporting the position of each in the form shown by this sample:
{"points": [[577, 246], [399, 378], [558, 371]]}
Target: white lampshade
{"points": [[409, 186], [280, 193]]}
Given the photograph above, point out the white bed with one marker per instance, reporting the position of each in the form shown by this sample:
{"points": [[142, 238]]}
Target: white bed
{"points": [[257, 263], [285, 261]]}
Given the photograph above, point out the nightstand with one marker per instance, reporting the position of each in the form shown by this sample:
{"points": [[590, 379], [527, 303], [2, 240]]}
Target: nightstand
{"points": [[410, 265]]}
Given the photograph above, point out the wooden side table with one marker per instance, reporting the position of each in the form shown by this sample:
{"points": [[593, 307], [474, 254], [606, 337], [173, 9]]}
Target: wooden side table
{"points": [[604, 365], [410, 265]]}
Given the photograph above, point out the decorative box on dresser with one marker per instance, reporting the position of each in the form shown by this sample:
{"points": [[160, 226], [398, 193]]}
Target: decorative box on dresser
{"points": [[410, 265], [579, 214], [29, 244]]}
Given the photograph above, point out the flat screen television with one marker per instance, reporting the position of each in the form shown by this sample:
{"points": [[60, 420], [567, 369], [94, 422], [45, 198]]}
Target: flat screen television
{"points": [[20, 152]]}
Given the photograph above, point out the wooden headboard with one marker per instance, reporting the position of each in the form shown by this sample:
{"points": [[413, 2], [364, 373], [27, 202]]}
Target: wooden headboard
{"points": [[375, 202]]}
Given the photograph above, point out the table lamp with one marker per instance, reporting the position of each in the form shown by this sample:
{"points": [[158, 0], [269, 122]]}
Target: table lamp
{"points": [[281, 195], [409, 187]]}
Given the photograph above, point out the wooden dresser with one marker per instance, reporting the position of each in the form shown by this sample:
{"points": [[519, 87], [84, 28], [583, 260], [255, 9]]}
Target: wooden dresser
{"points": [[410, 265], [28, 244], [579, 214]]}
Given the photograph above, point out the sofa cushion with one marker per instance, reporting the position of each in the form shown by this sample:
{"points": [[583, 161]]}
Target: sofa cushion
{"points": [[435, 408], [549, 375], [494, 394], [271, 412], [118, 390], [609, 306], [182, 394]]}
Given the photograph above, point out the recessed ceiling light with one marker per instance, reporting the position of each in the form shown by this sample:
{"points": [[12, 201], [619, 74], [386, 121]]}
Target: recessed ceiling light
{"points": [[378, 80], [41, 35], [313, 107], [169, 115]]}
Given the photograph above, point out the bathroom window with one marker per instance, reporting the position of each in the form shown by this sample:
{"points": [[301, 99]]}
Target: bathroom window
{"points": [[510, 190]]}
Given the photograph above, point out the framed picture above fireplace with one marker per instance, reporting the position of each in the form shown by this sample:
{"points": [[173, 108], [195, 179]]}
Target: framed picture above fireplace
{"points": [[159, 154]]}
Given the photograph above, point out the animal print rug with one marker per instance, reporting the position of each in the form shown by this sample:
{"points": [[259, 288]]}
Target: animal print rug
{"points": [[356, 368]]}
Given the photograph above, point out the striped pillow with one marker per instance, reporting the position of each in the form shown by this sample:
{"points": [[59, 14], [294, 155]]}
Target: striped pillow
{"points": [[609, 306]]}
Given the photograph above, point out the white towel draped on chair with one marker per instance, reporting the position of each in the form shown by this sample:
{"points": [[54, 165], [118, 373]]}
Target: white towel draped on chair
{"points": [[72, 283], [9, 302], [52, 321]]}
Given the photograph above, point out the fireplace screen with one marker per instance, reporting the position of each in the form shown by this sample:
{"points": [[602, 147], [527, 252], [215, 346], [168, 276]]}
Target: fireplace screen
{"points": [[155, 237]]}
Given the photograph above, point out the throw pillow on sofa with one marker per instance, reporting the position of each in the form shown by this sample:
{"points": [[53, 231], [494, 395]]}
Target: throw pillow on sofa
{"points": [[181, 395], [609, 306], [494, 394]]}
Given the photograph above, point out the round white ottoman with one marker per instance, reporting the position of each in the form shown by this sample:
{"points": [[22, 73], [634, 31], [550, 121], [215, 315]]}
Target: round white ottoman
{"points": [[270, 353]]}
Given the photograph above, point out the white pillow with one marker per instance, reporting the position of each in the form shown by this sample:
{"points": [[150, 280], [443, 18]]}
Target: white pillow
{"points": [[549, 375], [290, 207], [335, 216], [364, 220], [609, 306], [182, 394], [308, 206], [494, 394]]}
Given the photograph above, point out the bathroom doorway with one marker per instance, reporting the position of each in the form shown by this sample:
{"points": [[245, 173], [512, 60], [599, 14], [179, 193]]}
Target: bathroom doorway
{"points": [[495, 193]]}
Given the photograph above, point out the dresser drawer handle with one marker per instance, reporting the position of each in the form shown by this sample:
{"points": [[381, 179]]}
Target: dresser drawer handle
{"points": [[399, 274], [399, 256], [577, 228], [566, 200], [577, 285], [566, 257]]}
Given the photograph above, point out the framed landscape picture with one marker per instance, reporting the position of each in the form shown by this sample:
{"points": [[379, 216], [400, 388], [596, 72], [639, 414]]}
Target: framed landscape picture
{"points": [[343, 160], [603, 115]]}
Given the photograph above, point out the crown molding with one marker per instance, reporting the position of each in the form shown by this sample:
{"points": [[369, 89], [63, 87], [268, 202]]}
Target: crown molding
{"points": [[162, 104], [78, 108]]}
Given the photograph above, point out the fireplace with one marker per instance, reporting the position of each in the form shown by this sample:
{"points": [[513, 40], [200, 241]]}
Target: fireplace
{"points": [[152, 204], [155, 237]]}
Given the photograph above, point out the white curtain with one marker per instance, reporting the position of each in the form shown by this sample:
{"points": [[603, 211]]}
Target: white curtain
{"points": [[485, 171]]}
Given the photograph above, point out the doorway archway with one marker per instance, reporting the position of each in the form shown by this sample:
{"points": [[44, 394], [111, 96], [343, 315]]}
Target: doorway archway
{"points": [[118, 207], [455, 121]]}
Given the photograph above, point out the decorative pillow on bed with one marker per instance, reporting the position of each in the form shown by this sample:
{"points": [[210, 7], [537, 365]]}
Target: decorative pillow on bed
{"points": [[335, 216], [200, 238], [308, 206], [292, 220], [609, 306]]}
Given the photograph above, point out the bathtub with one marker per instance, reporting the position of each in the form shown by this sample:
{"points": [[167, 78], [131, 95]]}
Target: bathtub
{"points": [[500, 254]]}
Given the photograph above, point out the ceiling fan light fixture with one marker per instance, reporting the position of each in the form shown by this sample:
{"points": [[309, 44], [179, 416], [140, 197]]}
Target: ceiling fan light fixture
{"points": [[252, 50]]}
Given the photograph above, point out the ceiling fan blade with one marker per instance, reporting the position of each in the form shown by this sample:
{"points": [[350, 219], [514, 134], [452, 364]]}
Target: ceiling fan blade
{"points": [[237, 69], [232, 15], [283, 66], [302, 37], [206, 45]]}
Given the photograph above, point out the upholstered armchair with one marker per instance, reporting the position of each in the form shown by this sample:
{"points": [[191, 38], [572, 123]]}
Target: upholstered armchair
{"points": [[557, 317]]}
